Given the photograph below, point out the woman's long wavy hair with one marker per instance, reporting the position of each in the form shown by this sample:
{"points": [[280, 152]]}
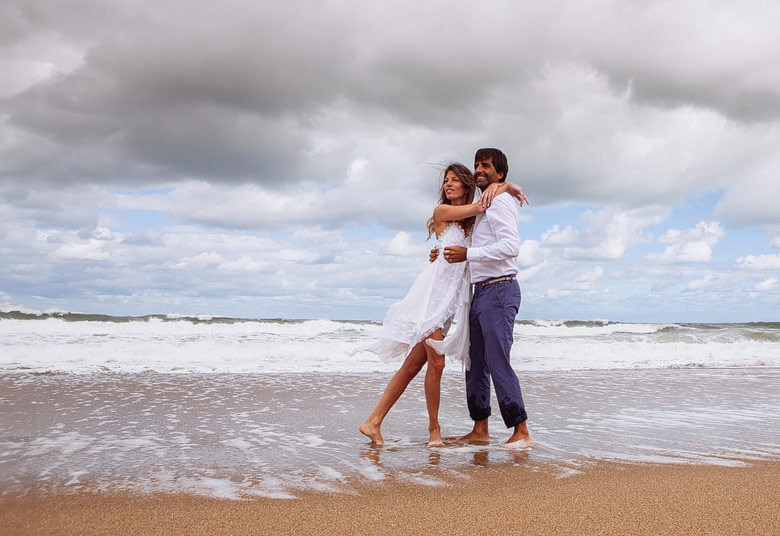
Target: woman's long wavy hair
{"points": [[469, 185]]}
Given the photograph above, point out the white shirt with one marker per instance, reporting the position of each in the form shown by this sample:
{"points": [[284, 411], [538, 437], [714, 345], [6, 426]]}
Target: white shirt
{"points": [[495, 242]]}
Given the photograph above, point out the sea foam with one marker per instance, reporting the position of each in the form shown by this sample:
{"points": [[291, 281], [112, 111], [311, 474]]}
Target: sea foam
{"points": [[77, 343]]}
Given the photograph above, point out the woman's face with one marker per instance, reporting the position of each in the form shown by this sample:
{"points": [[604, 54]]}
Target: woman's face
{"points": [[453, 187]]}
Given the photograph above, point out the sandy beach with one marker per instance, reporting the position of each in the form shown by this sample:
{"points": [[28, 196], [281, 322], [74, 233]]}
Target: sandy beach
{"points": [[616, 452], [603, 499]]}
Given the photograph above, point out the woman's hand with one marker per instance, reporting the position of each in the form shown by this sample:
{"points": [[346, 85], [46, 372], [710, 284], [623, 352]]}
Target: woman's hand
{"points": [[490, 192], [499, 188], [453, 254], [517, 192]]}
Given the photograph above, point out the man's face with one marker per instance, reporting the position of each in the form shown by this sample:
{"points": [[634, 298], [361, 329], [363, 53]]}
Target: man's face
{"points": [[485, 174]]}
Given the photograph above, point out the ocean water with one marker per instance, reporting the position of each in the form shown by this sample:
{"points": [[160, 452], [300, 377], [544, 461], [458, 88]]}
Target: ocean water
{"points": [[237, 408], [77, 343]]}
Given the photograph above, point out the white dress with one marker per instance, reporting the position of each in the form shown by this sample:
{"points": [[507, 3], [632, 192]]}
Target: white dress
{"points": [[439, 295]]}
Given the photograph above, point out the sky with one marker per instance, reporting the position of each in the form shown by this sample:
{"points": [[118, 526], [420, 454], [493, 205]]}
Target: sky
{"points": [[281, 159]]}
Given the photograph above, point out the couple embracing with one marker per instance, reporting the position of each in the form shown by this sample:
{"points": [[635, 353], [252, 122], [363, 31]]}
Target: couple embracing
{"points": [[485, 234]]}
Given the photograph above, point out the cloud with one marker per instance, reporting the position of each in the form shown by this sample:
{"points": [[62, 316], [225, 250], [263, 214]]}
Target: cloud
{"points": [[402, 244], [718, 55], [749, 201], [759, 262], [560, 237], [592, 275], [689, 245], [608, 233], [237, 152], [216, 100], [531, 253], [767, 284], [708, 280], [34, 58]]}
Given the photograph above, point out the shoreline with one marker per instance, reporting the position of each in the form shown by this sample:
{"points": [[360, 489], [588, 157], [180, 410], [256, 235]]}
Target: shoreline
{"points": [[234, 435], [605, 498]]}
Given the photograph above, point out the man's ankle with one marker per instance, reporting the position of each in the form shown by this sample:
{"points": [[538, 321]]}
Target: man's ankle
{"points": [[481, 427]]}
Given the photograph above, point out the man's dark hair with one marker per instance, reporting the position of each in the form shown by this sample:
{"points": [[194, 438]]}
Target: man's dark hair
{"points": [[497, 157]]}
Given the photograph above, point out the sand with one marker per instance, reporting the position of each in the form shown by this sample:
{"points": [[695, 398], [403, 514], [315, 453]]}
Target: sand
{"points": [[79, 453], [602, 499]]}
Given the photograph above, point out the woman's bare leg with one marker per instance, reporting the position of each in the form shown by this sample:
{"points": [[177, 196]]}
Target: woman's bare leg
{"points": [[411, 366], [433, 376]]}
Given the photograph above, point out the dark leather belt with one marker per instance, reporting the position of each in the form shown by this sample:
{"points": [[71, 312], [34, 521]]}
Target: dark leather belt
{"points": [[483, 284]]}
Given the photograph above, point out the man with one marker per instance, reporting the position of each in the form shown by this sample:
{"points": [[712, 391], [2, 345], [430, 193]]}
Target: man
{"points": [[492, 256]]}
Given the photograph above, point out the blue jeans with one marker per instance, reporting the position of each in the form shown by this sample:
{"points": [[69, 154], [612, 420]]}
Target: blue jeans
{"points": [[492, 320]]}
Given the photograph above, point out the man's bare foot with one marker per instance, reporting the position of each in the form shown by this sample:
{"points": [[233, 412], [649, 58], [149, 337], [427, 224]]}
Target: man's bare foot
{"points": [[372, 432], [520, 436], [479, 435], [520, 444], [475, 438]]}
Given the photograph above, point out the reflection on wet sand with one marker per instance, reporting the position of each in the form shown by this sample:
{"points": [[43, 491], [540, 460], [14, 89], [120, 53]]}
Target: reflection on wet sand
{"points": [[232, 435]]}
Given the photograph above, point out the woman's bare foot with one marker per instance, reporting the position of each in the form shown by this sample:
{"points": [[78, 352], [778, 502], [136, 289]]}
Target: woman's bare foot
{"points": [[372, 432], [434, 439]]}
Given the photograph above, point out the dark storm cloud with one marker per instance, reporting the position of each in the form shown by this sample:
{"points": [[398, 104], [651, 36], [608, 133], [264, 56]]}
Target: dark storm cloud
{"points": [[593, 101], [218, 103], [236, 92], [716, 55]]}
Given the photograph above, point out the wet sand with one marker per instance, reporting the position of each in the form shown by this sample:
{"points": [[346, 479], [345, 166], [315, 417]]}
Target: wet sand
{"points": [[603, 499], [245, 436], [672, 451]]}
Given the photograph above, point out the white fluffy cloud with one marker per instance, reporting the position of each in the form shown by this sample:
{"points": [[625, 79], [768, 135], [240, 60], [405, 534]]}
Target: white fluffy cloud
{"points": [[759, 262], [608, 233], [690, 245], [767, 284]]}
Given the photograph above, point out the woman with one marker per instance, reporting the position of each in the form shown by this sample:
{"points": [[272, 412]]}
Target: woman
{"points": [[428, 309]]}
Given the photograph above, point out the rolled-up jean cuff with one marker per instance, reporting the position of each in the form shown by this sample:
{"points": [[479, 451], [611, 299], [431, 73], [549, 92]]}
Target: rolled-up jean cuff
{"points": [[480, 415], [511, 423]]}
